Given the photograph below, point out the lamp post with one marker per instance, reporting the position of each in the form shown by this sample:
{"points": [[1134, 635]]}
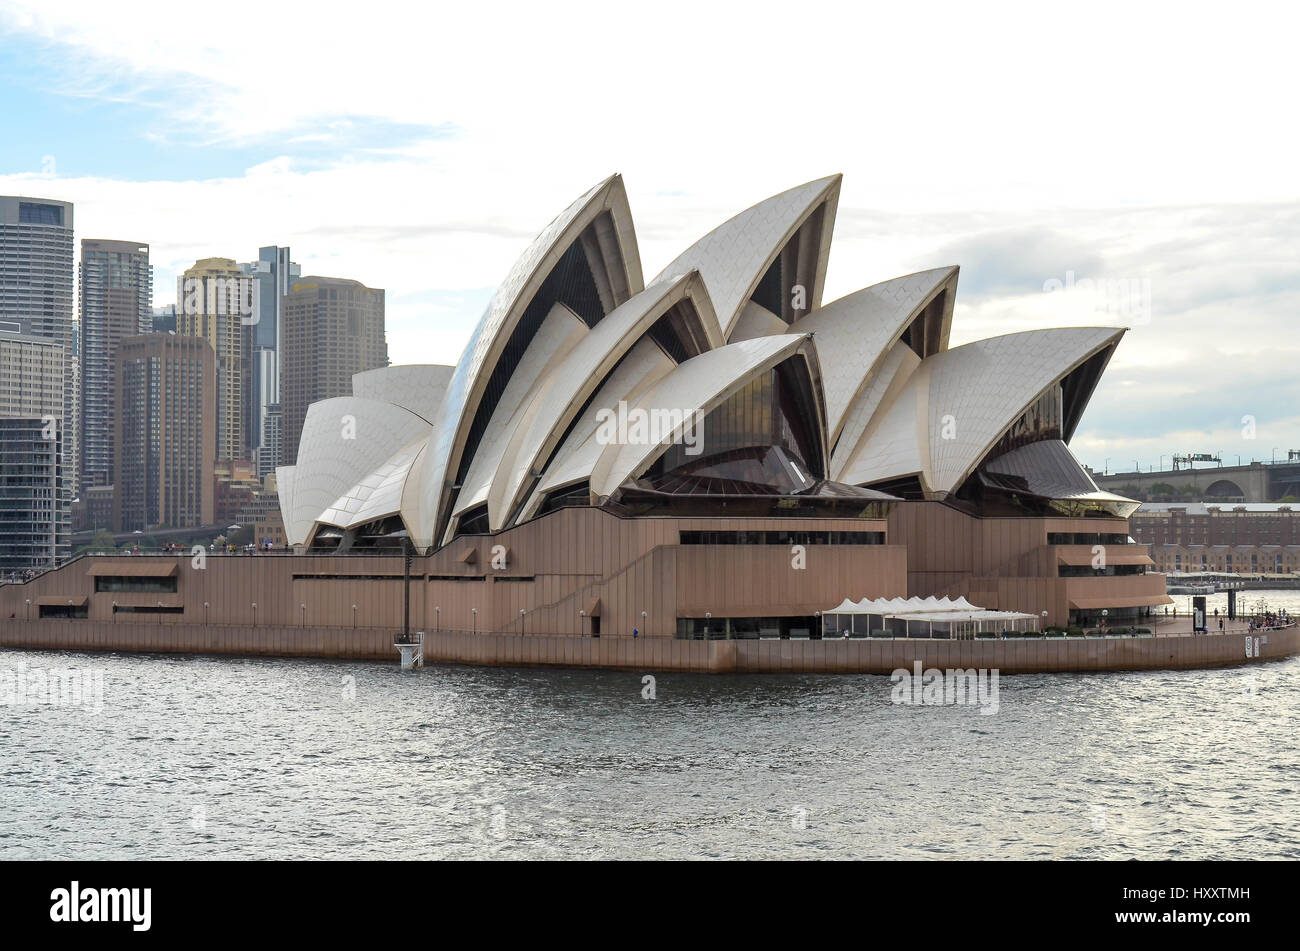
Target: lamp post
{"points": [[160, 613], [437, 619], [354, 617], [581, 614], [521, 622], [1104, 614], [254, 614], [205, 613], [303, 608], [707, 617], [643, 617], [115, 611], [1044, 621], [29, 609], [817, 615], [474, 611]]}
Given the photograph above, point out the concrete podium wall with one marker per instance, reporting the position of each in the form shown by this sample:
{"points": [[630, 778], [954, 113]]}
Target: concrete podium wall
{"points": [[878, 656]]}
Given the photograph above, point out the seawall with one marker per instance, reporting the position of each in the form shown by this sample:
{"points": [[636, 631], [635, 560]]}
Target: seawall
{"points": [[873, 656]]}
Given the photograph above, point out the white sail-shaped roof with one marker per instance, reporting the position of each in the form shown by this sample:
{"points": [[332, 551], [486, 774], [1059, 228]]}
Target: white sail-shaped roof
{"points": [[344, 440], [957, 404], [854, 333], [416, 387], [485, 348], [734, 256], [691, 390], [573, 335], [540, 423]]}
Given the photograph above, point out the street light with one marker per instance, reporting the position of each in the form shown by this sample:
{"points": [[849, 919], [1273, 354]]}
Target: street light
{"points": [[354, 617], [29, 609], [521, 622], [474, 611], [643, 616], [437, 619], [304, 615], [205, 612], [254, 614], [1106, 466], [115, 611], [581, 615], [160, 612], [707, 617]]}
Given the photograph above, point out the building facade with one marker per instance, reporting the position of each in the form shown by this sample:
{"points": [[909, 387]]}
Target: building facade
{"points": [[273, 275], [332, 329], [165, 433], [116, 302], [37, 288], [35, 513], [215, 303], [1252, 538]]}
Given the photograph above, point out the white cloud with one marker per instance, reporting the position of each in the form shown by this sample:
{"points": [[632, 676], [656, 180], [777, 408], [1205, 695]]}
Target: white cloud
{"points": [[953, 127]]}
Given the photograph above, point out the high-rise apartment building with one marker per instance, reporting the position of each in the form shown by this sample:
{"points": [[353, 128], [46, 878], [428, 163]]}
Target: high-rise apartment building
{"points": [[214, 301], [34, 493], [36, 287], [165, 432], [273, 275], [116, 298], [332, 329]]}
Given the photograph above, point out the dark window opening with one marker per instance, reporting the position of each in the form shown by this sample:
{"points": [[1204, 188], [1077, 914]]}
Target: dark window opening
{"points": [[164, 585], [783, 538], [64, 611], [474, 521]]}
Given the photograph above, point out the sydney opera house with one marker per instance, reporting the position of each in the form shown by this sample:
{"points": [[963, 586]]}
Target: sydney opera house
{"points": [[713, 453]]}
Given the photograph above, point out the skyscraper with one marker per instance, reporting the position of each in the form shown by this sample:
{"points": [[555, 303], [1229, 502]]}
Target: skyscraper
{"points": [[273, 275], [36, 287], [214, 300], [165, 432], [116, 294], [34, 497], [332, 329]]}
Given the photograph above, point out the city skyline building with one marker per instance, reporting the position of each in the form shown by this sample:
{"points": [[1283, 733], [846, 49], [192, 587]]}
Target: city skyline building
{"points": [[214, 302], [165, 432], [116, 301], [35, 517], [37, 287], [273, 275], [333, 328]]}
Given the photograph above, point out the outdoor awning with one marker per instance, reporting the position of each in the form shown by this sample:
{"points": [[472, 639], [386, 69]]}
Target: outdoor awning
{"points": [[1143, 601], [128, 567], [1112, 558], [77, 601]]}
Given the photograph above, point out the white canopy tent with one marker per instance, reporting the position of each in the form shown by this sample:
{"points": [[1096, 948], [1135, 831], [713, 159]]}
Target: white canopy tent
{"points": [[920, 617]]}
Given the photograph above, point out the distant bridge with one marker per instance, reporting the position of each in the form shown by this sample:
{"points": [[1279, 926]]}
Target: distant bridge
{"points": [[1256, 482]]}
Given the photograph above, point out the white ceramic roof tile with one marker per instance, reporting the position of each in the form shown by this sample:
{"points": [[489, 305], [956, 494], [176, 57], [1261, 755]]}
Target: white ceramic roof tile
{"points": [[733, 257], [644, 366], [970, 394], [460, 403], [695, 386], [889, 376], [342, 439], [416, 387], [559, 333], [539, 423], [855, 332]]}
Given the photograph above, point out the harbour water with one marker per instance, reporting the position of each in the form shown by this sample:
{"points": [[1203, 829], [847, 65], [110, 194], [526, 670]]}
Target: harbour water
{"points": [[198, 757]]}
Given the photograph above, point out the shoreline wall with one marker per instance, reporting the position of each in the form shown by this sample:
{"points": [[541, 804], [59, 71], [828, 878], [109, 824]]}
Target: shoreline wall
{"points": [[875, 656]]}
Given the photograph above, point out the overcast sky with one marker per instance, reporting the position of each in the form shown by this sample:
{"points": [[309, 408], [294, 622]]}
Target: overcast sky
{"points": [[419, 148]]}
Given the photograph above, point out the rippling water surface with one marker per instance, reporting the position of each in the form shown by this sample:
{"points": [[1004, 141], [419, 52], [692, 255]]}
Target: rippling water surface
{"points": [[194, 757]]}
